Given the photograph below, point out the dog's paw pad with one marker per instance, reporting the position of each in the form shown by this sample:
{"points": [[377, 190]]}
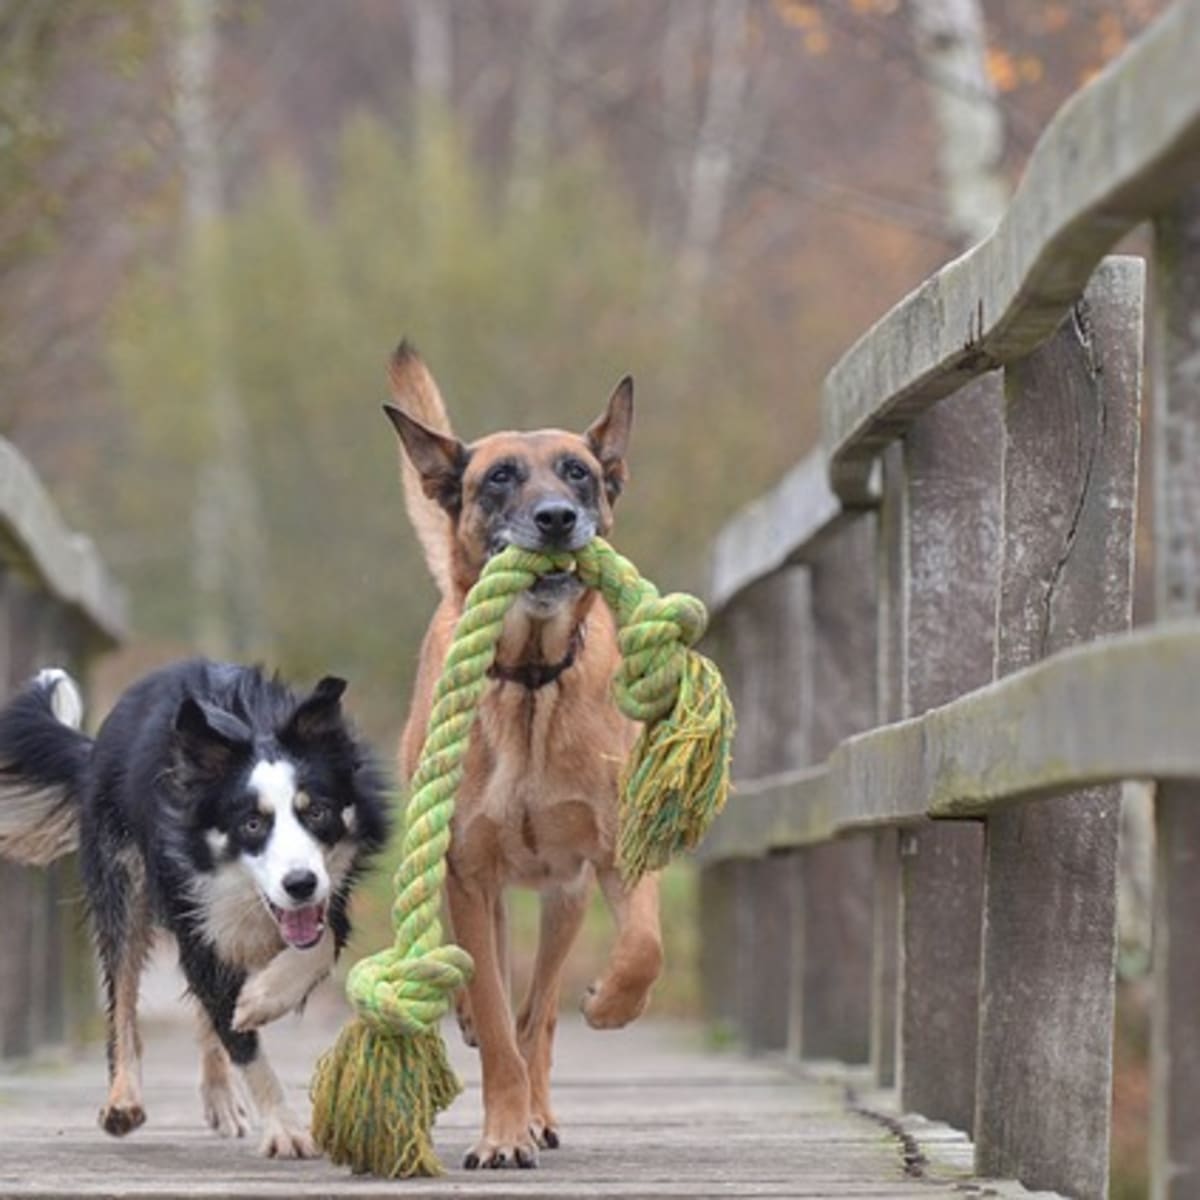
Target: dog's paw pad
{"points": [[282, 1139], [120, 1119]]}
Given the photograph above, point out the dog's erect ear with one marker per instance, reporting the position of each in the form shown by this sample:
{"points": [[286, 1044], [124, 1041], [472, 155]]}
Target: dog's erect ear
{"points": [[210, 738], [318, 715], [608, 437], [440, 460]]}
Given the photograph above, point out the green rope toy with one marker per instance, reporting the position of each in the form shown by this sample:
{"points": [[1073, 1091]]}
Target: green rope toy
{"points": [[377, 1092]]}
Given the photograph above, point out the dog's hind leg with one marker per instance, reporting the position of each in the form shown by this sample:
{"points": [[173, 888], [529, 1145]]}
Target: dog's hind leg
{"points": [[121, 917], [621, 993], [563, 909], [224, 1107]]}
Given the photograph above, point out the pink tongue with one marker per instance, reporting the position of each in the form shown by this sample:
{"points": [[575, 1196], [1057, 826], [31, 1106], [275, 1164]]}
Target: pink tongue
{"points": [[301, 926]]}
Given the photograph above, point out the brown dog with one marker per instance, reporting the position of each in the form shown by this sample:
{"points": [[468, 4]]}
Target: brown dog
{"points": [[538, 802]]}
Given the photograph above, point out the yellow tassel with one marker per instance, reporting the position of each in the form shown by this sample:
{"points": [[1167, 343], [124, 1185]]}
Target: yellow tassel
{"points": [[677, 778], [375, 1097]]}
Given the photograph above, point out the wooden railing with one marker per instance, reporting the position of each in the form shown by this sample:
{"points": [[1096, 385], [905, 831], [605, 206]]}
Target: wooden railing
{"points": [[925, 630], [57, 606]]}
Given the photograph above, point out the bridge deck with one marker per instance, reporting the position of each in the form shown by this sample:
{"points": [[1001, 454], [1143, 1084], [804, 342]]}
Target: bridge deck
{"points": [[644, 1112]]}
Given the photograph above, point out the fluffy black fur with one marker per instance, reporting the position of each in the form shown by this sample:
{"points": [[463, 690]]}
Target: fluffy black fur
{"points": [[163, 803]]}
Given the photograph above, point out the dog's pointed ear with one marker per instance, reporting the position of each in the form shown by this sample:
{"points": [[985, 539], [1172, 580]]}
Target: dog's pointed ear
{"points": [[318, 715], [608, 437], [440, 460], [210, 738]]}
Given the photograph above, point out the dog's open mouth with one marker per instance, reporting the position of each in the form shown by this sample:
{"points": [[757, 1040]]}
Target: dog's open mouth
{"points": [[301, 927], [554, 582]]}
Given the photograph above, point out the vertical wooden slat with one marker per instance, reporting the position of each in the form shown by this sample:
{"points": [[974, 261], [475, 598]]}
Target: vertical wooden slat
{"points": [[1175, 1041], [1045, 1046], [764, 651], [832, 1004], [891, 554], [952, 535]]}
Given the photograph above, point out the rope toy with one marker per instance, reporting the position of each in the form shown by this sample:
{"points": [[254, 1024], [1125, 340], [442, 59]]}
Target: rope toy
{"points": [[377, 1092]]}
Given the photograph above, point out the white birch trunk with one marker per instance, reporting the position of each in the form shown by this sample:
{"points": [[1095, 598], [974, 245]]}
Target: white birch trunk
{"points": [[228, 549], [952, 40], [711, 175]]}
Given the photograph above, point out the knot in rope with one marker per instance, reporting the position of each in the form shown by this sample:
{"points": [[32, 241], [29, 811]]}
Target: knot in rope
{"points": [[394, 994]]}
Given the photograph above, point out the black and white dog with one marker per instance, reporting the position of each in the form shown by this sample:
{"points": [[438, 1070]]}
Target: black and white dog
{"points": [[217, 804]]}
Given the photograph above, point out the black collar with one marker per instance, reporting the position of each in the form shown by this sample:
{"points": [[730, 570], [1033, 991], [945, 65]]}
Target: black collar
{"points": [[536, 675]]}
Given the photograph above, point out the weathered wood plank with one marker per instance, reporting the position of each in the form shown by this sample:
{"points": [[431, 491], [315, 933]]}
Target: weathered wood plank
{"points": [[1115, 155], [767, 656], [34, 540], [891, 572], [952, 535], [1175, 1053], [643, 1111], [1049, 929], [786, 525], [1121, 708], [831, 1004]]}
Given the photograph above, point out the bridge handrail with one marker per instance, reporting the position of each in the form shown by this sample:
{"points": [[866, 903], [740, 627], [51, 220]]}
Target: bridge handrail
{"points": [[34, 539]]}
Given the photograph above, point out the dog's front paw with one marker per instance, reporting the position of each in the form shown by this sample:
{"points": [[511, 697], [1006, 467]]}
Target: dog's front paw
{"points": [[224, 1110], [258, 1004], [497, 1153], [609, 1006], [285, 1137]]}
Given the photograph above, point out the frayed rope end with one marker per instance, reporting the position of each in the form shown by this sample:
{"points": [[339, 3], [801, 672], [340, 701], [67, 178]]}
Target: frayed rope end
{"points": [[375, 1097], [677, 778]]}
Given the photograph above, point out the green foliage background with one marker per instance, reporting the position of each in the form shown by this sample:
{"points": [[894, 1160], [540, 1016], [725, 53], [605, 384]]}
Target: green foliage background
{"points": [[527, 315]]}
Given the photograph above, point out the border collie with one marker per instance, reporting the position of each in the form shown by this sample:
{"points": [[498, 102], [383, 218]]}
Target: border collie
{"points": [[217, 804]]}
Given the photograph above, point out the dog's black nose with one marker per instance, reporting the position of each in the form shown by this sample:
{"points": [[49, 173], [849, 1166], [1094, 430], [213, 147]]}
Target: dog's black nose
{"points": [[300, 885], [555, 519]]}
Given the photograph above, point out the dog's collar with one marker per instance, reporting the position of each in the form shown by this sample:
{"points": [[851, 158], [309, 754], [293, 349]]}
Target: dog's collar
{"points": [[532, 676]]}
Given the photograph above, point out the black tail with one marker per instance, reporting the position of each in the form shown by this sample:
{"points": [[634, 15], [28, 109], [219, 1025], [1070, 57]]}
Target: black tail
{"points": [[43, 758]]}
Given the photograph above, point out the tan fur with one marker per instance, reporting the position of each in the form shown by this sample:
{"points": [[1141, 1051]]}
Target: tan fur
{"points": [[538, 802]]}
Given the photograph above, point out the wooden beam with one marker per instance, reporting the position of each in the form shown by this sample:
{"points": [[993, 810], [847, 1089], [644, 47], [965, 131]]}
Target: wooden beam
{"points": [[1175, 1041], [784, 526], [952, 533], [35, 543], [1116, 154], [1049, 916], [1119, 708]]}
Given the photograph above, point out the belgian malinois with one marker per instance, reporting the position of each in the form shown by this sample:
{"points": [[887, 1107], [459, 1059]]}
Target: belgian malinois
{"points": [[538, 802]]}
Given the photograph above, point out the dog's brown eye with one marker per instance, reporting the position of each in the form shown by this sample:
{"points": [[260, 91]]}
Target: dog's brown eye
{"points": [[500, 476], [575, 471]]}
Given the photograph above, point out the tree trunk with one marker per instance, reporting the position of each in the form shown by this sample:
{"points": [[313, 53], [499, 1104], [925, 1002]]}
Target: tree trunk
{"points": [[711, 175], [952, 39], [228, 549]]}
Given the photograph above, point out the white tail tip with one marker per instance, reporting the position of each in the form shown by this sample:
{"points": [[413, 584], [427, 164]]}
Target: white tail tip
{"points": [[65, 700]]}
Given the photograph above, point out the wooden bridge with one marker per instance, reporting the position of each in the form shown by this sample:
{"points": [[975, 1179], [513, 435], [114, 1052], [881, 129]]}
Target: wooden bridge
{"points": [[926, 628]]}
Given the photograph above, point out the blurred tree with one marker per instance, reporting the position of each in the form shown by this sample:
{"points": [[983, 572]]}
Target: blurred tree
{"points": [[229, 547], [528, 316]]}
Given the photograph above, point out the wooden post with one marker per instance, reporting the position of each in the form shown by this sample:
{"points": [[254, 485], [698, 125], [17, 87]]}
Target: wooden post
{"points": [[765, 655], [952, 536], [831, 1013], [1175, 1039], [891, 556], [1070, 465]]}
